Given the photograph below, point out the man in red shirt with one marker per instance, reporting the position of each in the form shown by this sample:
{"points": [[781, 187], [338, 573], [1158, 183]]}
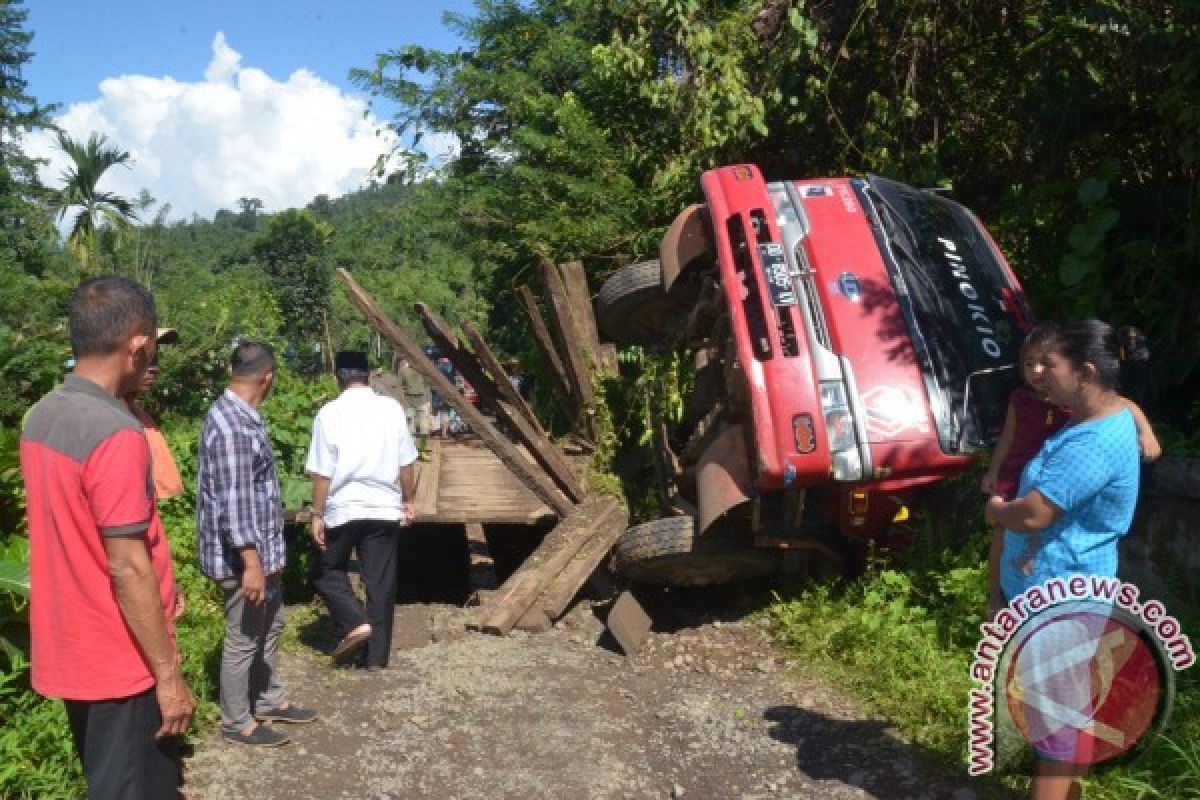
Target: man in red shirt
{"points": [[102, 591]]}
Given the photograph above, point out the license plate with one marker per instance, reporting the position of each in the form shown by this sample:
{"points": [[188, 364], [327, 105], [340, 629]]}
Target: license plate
{"points": [[775, 270]]}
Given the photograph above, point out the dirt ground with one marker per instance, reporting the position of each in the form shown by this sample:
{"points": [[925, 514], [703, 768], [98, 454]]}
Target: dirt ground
{"points": [[707, 708]]}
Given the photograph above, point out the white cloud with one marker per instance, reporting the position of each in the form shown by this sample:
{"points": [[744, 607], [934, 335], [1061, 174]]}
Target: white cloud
{"points": [[238, 133]]}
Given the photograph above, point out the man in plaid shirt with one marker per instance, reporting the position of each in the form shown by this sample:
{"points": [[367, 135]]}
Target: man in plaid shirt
{"points": [[239, 524]]}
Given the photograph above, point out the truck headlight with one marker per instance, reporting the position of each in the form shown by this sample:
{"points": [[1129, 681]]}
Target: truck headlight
{"points": [[839, 428]]}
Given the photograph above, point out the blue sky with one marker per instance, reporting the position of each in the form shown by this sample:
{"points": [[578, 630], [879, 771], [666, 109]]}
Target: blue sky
{"points": [[217, 99]]}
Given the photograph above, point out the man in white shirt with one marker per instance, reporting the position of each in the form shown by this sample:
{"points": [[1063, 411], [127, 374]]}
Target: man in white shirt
{"points": [[361, 463]]}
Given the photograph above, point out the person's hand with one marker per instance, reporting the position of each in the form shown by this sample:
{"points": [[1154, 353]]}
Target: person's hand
{"points": [[176, 703], [1151, 449], [988, 482], [991, 507], [254, 585], [177, 612], [408, 512], [318, 531]]}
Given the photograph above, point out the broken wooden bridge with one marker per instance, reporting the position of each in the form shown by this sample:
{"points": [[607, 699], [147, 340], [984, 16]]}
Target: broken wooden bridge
{"points": [[523, 477]]}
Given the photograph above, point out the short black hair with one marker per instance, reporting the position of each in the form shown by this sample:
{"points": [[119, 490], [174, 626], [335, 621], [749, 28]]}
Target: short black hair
{"points": [[251, 359], [345, 377], [107, 310]]}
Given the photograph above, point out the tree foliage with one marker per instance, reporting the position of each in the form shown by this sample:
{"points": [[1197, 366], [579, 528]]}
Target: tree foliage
{"points": [[1069, 126], [96, 212], [291, 252]]}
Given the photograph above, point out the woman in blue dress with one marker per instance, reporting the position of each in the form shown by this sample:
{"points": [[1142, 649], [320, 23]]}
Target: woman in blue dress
{"points": [[1077, 495]]}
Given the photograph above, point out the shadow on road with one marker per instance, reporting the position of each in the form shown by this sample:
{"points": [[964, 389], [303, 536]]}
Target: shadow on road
{"points": [[862, 753]]}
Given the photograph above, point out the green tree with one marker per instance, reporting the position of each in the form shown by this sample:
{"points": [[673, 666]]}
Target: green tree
{"points": [[95, 210], [291, 251], [26, 234]]}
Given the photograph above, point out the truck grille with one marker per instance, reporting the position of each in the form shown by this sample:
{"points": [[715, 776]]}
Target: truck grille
{"points": [[804, 276]]}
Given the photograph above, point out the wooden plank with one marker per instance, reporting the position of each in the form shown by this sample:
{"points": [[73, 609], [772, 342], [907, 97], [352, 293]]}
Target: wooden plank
{"points": [[532, 435], [562, 330], [425, 502], [524, 586], [628, 622], [579, 298], [542, 449], [494, 516], [603, 357], [563, 587], [537, 482], [554, 365], [534, 621], [501, 378]]}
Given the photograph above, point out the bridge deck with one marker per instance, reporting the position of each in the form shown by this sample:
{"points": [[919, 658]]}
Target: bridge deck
{"points": [[465, 482]]}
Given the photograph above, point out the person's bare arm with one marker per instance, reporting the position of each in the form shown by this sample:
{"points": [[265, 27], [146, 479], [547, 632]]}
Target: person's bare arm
{"points": [[1147, 441], [988, 482], [408, 487], [320, 497], [1027, 514], [136, 588], [995, 594]]}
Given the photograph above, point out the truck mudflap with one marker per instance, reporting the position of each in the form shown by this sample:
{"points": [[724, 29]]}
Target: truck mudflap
{"points": [[723, 478]]}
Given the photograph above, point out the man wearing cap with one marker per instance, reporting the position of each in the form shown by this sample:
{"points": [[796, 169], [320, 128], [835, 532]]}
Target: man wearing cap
{"points": [[361, 462], [167, 483], [239, 527]]}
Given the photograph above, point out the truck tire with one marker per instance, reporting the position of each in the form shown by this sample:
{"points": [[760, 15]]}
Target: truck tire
{"points": [[631, 307], [668, 553]]}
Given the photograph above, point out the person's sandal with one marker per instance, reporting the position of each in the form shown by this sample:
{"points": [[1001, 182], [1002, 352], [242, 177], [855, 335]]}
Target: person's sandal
{"points": [[351, 641], [261, 736], [293, 714]]}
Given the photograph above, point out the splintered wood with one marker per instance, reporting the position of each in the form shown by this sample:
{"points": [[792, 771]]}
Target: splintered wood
{"points": [[549, 579]]}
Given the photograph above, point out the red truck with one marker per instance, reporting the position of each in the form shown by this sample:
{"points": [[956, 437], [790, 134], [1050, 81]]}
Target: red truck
{"points": [[853, 340]]}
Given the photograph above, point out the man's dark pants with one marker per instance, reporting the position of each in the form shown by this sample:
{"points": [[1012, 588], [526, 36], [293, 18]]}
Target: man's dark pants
{"points": [[121, 758], [376, 542]]}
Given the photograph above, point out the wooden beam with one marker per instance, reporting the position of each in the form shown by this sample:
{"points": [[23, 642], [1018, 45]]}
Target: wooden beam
{"points": [[523, 587], [547, 456], [506, 451], [554, 365], [429, 474], [533, 436], [500, 377], [561, 589], [563, 330], [579, 298], [603, 357]]}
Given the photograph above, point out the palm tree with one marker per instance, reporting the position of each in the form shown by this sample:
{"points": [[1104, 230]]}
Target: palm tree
{"points": [[97, 209]]}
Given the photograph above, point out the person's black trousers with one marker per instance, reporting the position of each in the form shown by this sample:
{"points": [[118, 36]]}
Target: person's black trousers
{"points": [[376, 542], [121, 758]]}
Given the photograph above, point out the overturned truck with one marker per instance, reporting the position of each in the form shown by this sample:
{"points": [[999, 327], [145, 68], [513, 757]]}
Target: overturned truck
{"points": [[853, 341]]}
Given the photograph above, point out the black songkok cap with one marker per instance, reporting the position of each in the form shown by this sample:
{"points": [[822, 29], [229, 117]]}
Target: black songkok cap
{"points": [[355, 360]]}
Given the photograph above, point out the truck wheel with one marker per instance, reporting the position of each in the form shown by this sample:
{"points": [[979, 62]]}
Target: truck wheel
{"points": [[631, 307], [667, 552]]}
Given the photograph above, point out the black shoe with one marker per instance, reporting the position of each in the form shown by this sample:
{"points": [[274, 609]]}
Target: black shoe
{"points": [[293, 714], [261, 736]]}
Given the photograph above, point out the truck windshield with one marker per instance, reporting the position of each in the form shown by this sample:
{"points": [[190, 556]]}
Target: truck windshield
{"points": [[952, 286]]}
